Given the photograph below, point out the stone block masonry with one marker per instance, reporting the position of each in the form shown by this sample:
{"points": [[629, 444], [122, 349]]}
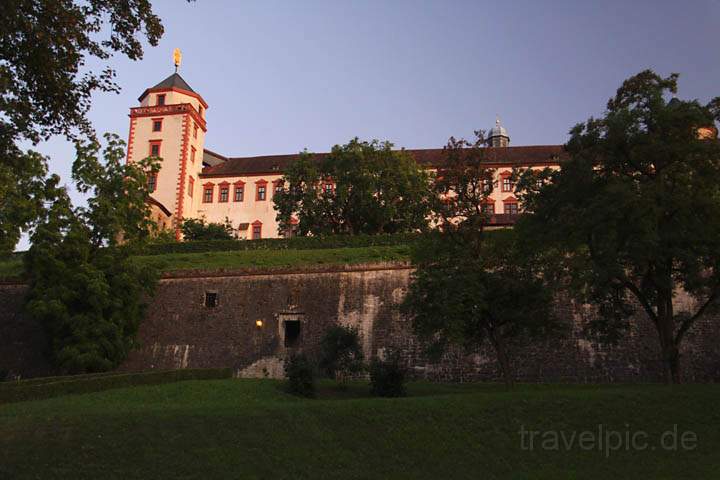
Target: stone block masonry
{"points": [[252, 319]]}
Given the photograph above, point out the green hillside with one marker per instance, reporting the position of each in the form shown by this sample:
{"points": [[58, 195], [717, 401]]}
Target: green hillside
{"points": [[210, 260]]}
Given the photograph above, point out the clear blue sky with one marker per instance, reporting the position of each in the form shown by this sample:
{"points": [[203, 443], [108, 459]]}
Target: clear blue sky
{"points": [[280, 76]]}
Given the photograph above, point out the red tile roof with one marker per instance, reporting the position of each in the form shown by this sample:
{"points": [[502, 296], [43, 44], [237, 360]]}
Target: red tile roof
{"points": [[432, 157]]}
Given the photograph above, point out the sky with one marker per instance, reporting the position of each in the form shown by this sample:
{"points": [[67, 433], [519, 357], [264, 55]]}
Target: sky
{"points": [[281, 76]]}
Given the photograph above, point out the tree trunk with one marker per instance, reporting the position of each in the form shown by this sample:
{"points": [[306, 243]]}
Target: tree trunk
{"points": [[670, 351], [498, 344]]}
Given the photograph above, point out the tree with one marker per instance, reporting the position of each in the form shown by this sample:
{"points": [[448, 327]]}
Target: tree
{"points": [[635, 212], [470, 286], [198, 229], [85, 289], [340, 352], [358, 188], [46, 89]]}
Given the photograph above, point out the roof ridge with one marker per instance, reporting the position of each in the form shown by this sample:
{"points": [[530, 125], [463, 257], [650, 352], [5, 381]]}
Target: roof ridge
{"points": [[279, 155]]}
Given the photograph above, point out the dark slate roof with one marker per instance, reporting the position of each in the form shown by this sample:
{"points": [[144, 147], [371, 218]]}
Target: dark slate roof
{"points": [[174, 80], [433, 157]]}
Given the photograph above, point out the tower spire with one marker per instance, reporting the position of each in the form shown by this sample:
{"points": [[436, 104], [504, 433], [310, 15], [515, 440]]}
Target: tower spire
{"points": [[177, 58]]}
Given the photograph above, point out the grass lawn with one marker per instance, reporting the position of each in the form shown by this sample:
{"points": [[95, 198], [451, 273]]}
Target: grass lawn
{"points": [[253, 258], [276, 258], [252, 429]]}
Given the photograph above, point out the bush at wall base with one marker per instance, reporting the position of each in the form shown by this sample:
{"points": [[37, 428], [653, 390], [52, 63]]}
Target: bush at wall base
{"points": [[300, 376], [387, 377]]}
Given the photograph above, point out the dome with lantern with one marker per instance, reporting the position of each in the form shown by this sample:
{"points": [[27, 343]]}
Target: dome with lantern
{"points": [[498, 136]]}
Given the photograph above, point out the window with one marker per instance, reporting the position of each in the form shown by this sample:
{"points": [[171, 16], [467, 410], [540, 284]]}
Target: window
{"points": [[239, 193], [152, 182], [208, 193], [278, 187], [224, 193], [191, 186], [160, 99], [261, 192], [256, 231], [154, 148], [488, 208], [211, 299], [195, 127], [192, 154], [200, 110], [157, 125], [511, 208], [507, 184], [487, 186], [328, 187]]}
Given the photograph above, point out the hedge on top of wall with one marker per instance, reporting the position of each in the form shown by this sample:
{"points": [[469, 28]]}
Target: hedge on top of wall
{"points": [[35, 389], [294, 243]]}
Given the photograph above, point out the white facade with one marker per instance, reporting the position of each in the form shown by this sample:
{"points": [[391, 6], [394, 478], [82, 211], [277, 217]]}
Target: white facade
{"points": [[196, 183]]}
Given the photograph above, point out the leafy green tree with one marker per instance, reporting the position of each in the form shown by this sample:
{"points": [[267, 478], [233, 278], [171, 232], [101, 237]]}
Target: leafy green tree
{"points": [[470, 286], [340, 352], [360, 187], [467, 296], [46, 89], [635, 213], [86, 291], [463, 185], [300, 375], [199, 229]]}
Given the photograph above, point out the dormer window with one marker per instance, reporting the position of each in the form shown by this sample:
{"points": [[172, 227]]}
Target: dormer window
{"points": [[160, 99]]}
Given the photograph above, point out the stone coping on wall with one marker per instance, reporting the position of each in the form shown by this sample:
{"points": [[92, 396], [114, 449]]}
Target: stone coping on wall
{"points": [[303, 269], [255, 271]]}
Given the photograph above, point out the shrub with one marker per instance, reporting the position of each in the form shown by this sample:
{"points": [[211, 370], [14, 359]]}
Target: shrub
{"points": [[387, 377], [300, 376], [38, 388], [163, 237], [340, 352], [293, 243], [199, 229]]}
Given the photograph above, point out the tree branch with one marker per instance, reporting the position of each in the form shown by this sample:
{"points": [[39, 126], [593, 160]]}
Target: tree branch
{"points": [[690, 321]]}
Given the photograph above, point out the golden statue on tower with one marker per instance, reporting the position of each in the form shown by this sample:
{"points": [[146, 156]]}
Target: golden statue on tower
{"points": [[177, 58]]}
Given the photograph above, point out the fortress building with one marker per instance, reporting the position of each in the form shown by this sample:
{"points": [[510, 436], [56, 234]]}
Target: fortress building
{"points": [[195, 182]]}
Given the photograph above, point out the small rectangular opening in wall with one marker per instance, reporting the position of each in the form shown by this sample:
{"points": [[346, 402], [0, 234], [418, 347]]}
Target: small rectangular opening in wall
{"points": [[211, 299], [292, 333]]}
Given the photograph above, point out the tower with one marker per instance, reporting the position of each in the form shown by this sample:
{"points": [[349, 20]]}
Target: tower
{"points": [[170, 124], [498, 135]]}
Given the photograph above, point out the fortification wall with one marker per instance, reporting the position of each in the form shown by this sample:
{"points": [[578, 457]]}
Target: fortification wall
{"points": [[180, 331]]}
